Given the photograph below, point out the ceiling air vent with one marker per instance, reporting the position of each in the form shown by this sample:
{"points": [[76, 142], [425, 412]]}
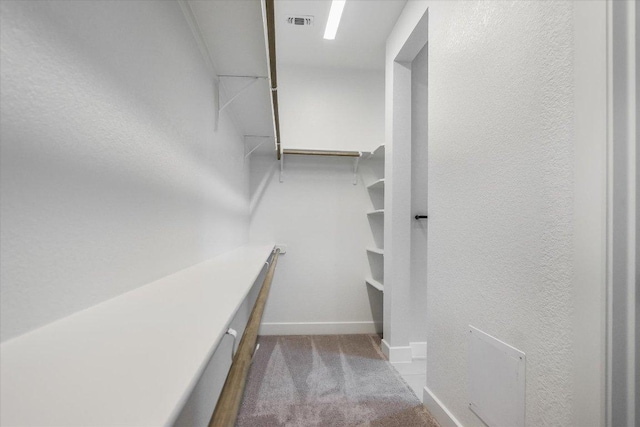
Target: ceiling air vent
{"points": [[300, 20]]}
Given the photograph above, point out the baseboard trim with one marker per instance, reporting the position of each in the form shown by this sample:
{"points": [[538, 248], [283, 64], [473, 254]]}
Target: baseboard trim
{"points": [[384, 346], [444, 417], [320, 328], [418, 350], [396, 354]]}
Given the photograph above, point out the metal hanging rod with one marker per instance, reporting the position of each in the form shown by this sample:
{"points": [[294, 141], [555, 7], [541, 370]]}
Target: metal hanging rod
{"points": [[421, 217], [322, 153], [356, 155]]}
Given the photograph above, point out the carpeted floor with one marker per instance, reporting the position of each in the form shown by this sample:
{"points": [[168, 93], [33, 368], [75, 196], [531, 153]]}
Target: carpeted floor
{"points": [[329, 380]]}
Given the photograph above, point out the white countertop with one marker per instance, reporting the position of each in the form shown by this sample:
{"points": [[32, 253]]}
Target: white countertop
{"points": [[129, 361]]}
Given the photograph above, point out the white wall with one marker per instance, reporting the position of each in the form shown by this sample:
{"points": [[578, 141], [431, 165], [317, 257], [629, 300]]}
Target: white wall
{"points": [[317, 211], [331, 108], [111, 173], [502, 218], [321, 216]]}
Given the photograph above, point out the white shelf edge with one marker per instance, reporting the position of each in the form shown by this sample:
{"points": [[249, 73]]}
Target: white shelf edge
{"points": [[377, 152], [374, 283], [376, 212], [378, 184], [375, 250], [98, 358]]}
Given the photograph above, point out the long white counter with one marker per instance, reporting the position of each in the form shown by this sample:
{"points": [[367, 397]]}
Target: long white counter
{"points": [[129, 361]]}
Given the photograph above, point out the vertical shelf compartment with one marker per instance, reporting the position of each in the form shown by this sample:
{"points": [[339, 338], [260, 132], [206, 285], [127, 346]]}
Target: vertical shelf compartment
{"points": [[375, 182], [376, 264], [376, 193]]}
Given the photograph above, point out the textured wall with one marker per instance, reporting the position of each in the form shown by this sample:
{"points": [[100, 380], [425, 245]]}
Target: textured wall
{"points": [[111, 173], [500, 193], [500, 196]]}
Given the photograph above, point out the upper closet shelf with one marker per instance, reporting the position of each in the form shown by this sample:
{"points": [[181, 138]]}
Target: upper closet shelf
{"points": [[376, 251], [236, 57], [378, 185], [377, 154], [372, 282], [376, 212], [132, 360]]}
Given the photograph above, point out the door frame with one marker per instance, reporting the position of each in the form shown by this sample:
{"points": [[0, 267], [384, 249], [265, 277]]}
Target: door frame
{"points": [[401, 51]]}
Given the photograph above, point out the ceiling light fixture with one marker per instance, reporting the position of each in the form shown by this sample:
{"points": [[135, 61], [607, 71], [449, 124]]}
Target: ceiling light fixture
{"points": [[334, 19]]}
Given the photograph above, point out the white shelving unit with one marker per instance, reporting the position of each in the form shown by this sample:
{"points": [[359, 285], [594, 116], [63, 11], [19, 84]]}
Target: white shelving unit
{"points": [[377, 154], [376, 251], [375, 284], [375, 168], [379, 184]]}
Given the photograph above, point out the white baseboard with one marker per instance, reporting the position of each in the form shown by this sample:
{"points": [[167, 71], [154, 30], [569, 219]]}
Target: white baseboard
{"points": [[444, 417], [396, 354], [385, 348], [418, 350], [320, 328]]}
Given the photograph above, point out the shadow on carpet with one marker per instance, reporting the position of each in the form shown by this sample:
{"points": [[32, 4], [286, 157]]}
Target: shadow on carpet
{"points": [[327, 380]]}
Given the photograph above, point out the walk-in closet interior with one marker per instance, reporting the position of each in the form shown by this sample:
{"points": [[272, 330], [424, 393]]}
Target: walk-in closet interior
{"points": [[318, 213]]}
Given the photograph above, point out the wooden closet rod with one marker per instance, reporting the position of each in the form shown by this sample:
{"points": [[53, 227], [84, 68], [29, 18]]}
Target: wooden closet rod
{"points": [[322, 153], [226, 411], [273, 75]]}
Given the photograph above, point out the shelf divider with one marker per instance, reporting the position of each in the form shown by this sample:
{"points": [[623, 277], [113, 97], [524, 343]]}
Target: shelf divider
{"points": [[374, 283], [379, 184], [375, 250]]}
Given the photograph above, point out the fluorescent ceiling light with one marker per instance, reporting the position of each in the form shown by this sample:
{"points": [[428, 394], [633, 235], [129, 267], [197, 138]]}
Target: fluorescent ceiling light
{"points": [[334, 19]]}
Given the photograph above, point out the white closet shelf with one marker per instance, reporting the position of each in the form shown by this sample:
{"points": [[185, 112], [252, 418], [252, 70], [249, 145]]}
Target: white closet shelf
{"points": [[378, 185], [377, 154], [243, 75], [376, 251], [374, 283], [131, 360], [376, 212]]}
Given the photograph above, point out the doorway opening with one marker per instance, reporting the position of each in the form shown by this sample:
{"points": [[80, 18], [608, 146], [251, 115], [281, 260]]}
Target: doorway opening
{"points": [[406, 211]]}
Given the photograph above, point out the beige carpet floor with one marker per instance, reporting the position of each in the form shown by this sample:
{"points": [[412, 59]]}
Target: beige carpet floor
{"points": [[329, 380]]}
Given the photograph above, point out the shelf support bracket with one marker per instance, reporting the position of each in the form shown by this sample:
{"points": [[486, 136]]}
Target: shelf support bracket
{"points": [[282, 168], [216, 88], [264, 138], [356, 161]]}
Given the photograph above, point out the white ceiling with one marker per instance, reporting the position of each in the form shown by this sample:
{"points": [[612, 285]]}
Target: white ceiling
{"points": [[359, 43]]}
